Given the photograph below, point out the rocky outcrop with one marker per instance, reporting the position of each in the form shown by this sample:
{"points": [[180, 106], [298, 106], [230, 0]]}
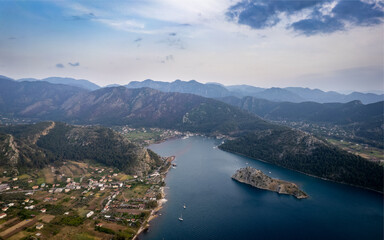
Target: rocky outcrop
{"points": [[258, 179]]}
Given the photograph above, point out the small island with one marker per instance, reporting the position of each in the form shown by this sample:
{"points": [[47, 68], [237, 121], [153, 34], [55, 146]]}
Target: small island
{"points": [[258, 179]]}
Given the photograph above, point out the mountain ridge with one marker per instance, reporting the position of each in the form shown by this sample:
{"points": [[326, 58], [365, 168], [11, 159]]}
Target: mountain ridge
{"points": [[37, 145], [145, 107], [217, 90]]}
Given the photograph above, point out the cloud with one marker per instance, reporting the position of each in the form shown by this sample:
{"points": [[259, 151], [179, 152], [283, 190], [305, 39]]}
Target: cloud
{"points": [[128, 25], [82, 17], [314, 26], [320, 16], [59, 65], [173, 41], [76, 64], [168, 58]]}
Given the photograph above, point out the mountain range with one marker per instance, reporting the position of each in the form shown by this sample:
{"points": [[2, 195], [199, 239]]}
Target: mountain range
{"points": [[215, 90], [363, 121], [247, 133], [290, 94], [337, 113], [81, 83]]}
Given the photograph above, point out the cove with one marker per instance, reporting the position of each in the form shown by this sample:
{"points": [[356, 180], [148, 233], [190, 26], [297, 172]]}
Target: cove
{"points": [[219, 208]]}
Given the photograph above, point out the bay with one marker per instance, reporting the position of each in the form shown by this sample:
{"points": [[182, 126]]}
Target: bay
{"points": [[219, 208]]}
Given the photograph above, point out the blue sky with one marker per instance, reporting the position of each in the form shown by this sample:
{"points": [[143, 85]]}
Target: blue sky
{"points": [[328, 44]]}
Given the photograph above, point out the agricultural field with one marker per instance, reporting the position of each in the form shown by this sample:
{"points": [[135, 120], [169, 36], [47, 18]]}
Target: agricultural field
{"points": [[363, 150], [76, 200]]}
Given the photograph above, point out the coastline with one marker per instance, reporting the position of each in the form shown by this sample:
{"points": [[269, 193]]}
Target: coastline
{"points": [[310, 175], [160, 202]]}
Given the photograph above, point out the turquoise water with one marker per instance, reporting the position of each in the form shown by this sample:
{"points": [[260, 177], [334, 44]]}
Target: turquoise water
{"points": [[220, 208]]}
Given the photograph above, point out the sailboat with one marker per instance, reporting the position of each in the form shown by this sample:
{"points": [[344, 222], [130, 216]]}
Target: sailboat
{"points": [[181, 217], [184, 206]]}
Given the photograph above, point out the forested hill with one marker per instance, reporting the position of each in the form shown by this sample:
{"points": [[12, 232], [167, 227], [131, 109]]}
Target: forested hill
{"points": [[152, 108], [36, 145], [337, 113], [363, 121], [302, 152]]}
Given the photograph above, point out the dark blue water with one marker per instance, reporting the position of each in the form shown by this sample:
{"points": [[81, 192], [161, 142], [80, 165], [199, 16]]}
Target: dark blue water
{"points": [[220, 208]]}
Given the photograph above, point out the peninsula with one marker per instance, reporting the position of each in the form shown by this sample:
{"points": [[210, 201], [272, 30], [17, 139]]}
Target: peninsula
{"points": [[258, 179]]}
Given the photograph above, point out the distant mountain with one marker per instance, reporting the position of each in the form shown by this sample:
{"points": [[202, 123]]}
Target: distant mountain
{"points": [[33, 99], [244, 90], [24, 147], [251, 136], [290, 94], [364, 121], [298, 95], [279, 95], [152, 108], [364, 97], [217, 90], [5, 77], [81, 83], [316, 95], [337, 113], [112, 85], [193, 87]]}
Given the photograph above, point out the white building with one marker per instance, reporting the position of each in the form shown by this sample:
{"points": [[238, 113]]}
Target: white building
{"points": [[90, 214]]}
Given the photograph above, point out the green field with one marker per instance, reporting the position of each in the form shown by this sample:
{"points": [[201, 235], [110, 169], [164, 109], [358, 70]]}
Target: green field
{"points": [[370, 153]]}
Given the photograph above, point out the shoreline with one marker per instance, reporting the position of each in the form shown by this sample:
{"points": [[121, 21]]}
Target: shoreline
{"points": [[160, 202], [310, 175]]}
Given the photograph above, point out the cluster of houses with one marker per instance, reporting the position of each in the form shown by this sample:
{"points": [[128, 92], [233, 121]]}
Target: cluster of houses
{"points": [[114, 208]]}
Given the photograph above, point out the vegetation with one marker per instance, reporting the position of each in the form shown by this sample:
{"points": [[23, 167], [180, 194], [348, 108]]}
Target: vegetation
{"points": [[29, 148], [362, 123], [309, 156], [71, 220], [97, 143], [104, 230]]}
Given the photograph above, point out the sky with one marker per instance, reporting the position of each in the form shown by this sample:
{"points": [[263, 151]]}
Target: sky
{"points": [[328, 44]]}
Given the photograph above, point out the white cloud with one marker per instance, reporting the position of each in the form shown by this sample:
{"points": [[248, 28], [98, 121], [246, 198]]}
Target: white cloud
{"points": [[125, 25]]}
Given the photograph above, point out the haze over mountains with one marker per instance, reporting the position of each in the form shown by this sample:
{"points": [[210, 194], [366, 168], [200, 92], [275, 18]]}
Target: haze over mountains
{"points": [[146, 107], [215, 90], [81, 83]]}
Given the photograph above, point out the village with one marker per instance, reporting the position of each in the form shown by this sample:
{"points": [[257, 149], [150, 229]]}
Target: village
{"points": [[56, 202]]}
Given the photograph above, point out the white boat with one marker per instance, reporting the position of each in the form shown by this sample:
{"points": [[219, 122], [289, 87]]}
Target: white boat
{"points": [[184, 206], [181, 217]]}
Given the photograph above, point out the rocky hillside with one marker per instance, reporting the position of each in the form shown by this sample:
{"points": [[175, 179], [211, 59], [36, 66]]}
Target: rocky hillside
{"points": [[38, 100], [258, 179], [36, 145]]}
